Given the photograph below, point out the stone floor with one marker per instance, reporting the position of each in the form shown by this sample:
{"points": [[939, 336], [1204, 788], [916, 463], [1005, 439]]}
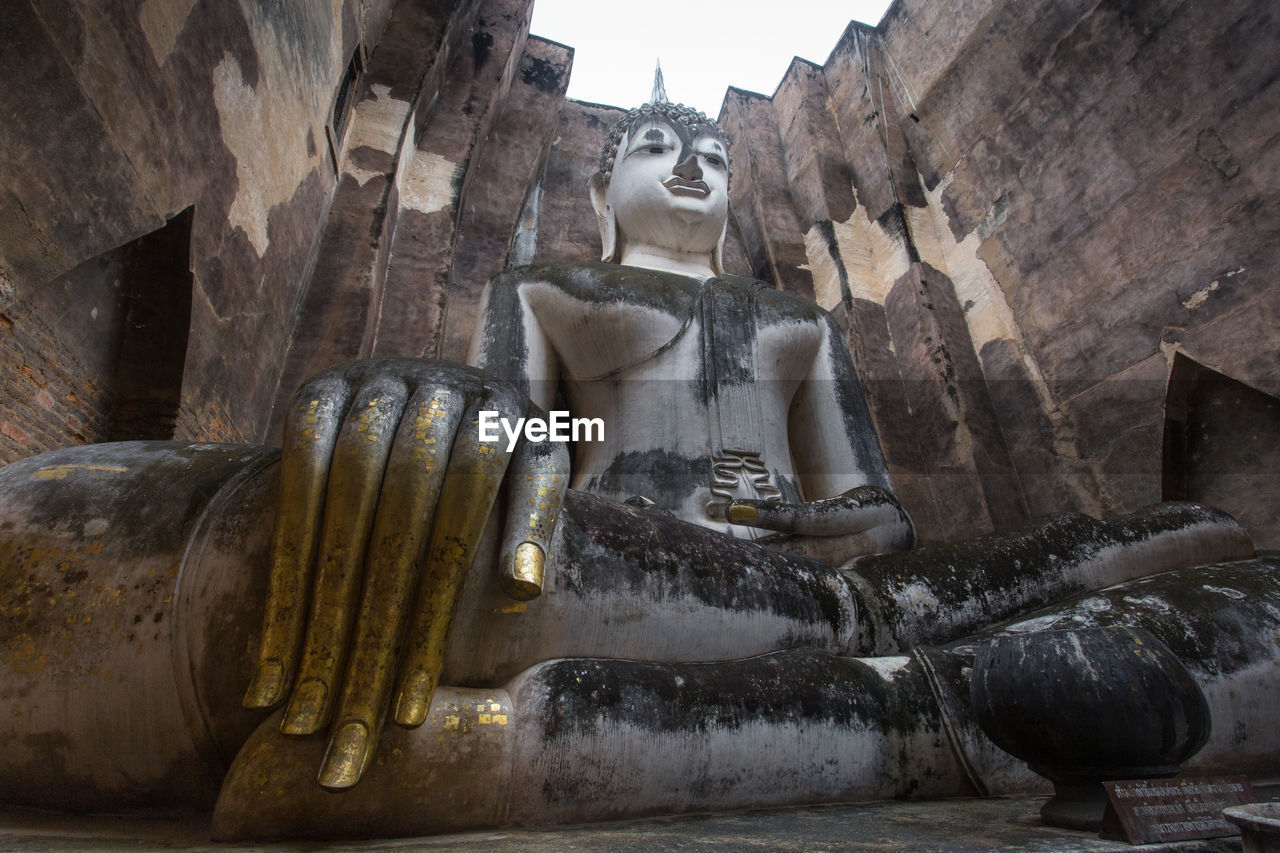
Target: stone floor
{"points": [[1000, 823]]}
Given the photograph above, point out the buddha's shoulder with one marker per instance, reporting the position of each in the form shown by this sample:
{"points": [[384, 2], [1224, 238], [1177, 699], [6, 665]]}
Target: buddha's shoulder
{"points": [[774, 304]]}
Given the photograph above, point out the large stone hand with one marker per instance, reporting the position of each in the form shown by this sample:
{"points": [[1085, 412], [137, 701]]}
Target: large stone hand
{"points": [[863, 520], [385, 492]]}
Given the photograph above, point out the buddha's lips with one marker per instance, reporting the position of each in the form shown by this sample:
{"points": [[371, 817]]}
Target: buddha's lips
{"points": [[680, 186]]}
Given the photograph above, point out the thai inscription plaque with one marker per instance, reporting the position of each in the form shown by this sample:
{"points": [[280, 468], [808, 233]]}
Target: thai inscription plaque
{"points": [[1143, 811]]}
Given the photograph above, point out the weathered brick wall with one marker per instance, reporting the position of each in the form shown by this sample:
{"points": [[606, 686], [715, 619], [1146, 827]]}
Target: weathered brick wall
{"points": [[120, 115], [1101, 181], [49, 400]]}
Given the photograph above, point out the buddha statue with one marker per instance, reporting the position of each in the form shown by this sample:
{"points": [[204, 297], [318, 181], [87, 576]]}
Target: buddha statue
{"points": [[713, 602]]}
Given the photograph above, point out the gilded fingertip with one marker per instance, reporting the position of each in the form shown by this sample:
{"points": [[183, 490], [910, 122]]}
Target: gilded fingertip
{"points": [[346, 758], [739, 513], [528, 569], [414, 700]]}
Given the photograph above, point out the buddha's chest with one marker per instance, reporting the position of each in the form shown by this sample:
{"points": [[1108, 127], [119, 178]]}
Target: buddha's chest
{"points": [[684, 335], [600, 340]]}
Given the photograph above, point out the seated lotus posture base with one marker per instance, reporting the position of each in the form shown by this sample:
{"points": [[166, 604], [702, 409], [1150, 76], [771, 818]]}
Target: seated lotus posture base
{"points": [[789, 688]]}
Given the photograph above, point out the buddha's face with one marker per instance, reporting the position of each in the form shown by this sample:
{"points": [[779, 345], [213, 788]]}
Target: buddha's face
{"points": [[670, 186]]}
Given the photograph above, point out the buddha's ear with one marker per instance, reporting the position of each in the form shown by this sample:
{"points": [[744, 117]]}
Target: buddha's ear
{"points": [[717, 254], [604, 217]]}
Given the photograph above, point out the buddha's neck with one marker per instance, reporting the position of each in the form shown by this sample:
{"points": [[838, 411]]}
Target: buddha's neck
{"points": [[694, 264]]}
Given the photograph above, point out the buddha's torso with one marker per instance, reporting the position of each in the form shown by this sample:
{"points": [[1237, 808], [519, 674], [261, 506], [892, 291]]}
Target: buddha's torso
{"points": [[693, 381]]}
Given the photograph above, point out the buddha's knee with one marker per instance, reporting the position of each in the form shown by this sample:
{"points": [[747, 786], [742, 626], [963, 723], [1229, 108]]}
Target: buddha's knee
{"points": [[131, 582], [587, 739], [607, 739]]}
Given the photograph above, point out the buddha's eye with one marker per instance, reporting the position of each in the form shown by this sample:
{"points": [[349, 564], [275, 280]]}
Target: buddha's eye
{"points": [[656, 149], [713, 159]]}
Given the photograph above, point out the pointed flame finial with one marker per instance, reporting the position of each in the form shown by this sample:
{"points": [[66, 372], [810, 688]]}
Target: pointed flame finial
{"points": [[659, 95]]}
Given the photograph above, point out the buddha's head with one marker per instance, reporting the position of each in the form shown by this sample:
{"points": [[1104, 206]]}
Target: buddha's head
{"points": [[664, 183]]}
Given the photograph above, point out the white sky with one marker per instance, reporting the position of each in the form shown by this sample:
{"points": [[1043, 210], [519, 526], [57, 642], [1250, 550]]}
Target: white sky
{"points": [[704, 47]]}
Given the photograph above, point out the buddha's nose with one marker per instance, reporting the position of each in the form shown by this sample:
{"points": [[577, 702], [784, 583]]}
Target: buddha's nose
{"points": [[688, 168]]}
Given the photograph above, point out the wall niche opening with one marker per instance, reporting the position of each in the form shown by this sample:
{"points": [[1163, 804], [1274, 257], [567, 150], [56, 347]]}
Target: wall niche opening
{"points": [[155, 285], [1222, 447], [344, 99]]}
